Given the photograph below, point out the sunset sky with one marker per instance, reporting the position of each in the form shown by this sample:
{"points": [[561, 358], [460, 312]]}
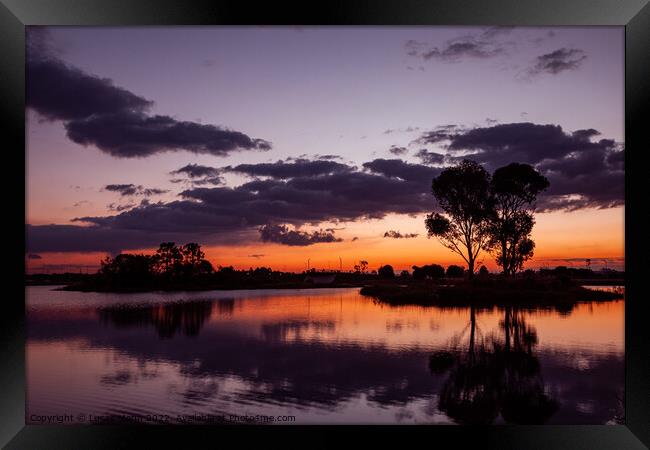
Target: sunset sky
{"points": [[274, 145]]}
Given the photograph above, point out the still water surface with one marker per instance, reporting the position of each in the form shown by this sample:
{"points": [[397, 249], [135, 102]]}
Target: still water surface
{"points": [[325, 356]]}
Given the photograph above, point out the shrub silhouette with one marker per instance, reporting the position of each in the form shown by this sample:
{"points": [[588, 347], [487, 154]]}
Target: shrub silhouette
{"points": [[386, 271], [454, 271], [431, 271]]}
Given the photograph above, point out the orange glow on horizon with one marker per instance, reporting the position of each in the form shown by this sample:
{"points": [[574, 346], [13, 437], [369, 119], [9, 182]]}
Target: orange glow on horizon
{"points": [[583, 234]]}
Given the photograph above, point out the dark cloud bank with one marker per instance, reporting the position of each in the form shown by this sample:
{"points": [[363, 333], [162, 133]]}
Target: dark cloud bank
{"points": [[96, 112], [271, 209], [299, 167], [132, 190], [281, 234], [283, 196], [198, 175], [397, 235], [584, 171]]}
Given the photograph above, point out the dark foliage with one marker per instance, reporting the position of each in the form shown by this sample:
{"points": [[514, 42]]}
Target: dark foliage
{"points": [[483, 212], [463, 195], [362, 267], [454, 271], [386, 271], [514, 189], [430, 271], [170, 264]]}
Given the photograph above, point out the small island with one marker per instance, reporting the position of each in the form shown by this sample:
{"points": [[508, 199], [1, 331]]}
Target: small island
{"points": [[532, 290]]}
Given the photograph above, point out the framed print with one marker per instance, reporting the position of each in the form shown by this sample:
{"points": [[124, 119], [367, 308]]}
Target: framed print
{"points": [[391, 219]]}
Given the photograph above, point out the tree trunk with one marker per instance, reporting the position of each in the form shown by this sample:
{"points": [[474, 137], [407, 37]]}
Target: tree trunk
{"points": [[470, 268]]}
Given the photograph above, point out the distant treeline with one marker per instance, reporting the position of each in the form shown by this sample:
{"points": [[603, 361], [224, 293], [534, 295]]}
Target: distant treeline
{"points": [[174, 267], [436, 271], [573, 272], [184, 267]]}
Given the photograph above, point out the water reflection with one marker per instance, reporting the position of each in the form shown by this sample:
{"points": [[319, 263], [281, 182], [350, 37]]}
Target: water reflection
{"points": [[498, 375], [167, 319], [295, 329], [328, 357]]}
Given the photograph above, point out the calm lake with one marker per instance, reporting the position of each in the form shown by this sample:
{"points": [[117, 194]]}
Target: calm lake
{"points": [[325, 356]]}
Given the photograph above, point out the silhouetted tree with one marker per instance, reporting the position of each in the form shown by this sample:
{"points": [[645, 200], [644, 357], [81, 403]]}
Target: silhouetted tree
{"points": [[483, 271], [514, 189], [168, 258], [362, 267], [127, 269], [169, 263], [193, 262], [454, 271], [386, 271], [463, 194], [192, 254]]}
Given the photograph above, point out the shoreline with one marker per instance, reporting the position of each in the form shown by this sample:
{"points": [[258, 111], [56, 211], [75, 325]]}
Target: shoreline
{"points": [[84, 286], [561, 298], [463, 294], [205, 288], [561, 295]]}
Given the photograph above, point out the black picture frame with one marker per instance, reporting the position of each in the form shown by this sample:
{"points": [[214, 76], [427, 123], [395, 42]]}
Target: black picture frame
{"points": [[633, 14]]}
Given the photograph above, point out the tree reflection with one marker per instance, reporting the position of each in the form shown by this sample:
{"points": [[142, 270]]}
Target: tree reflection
{"points": [[168, 319], [226, 306], [496, 375]]}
